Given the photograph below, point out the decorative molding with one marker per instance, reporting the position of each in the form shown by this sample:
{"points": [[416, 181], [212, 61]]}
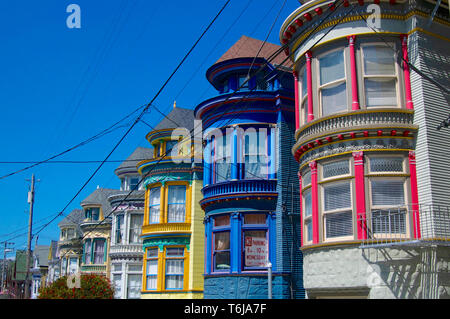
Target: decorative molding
{"points": [[162, 242]]}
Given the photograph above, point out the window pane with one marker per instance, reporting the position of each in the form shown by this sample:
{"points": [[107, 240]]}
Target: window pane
{"points": [[254, 218], [256, 248], [222, 241], [174, 274], [222, 260], [336, 169], [152, 252], [117, 281], [73, 265], [332, 67], [135, 268], [308, 202], [135, 228], [378, 60], [222, 221], [99, 249], [223, 158], [133, 183], [154, 203], [386, 164], [87, 250], [171, 148], [175, 252], [119, 228], [337, 196], [338, 224], [176, 203], [334, 99], [134, 286], [387, 192], [152, 267], [306, 178], [380, 92], [308, 224], [304, 80]]}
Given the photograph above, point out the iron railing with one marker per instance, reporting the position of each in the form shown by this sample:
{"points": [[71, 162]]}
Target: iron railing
{"points": [[407, 225]]}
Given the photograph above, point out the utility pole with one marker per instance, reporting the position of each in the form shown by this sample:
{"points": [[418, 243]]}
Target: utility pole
{"points": [[5, 250], [30, 225]]}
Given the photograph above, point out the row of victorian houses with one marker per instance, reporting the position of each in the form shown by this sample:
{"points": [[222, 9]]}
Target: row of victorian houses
{"points": [[325, 167]]}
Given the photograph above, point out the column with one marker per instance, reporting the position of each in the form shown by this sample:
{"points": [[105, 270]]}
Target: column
{"points": [[235, 243], [414, 194], [301, 208], [406, 73], [315, 202], [308, 56], [354, 82], [297, 97], [361, 223]]}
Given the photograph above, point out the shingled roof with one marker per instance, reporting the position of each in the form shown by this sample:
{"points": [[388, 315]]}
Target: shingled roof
{"points": [[74, 218], [129, 165], [247, 47], [100, 197], [178, 118]]}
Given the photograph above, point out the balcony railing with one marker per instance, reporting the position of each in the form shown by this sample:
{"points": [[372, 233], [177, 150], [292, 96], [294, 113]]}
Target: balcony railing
{"points": [[240, 187], [395, 226], [135, 249]]}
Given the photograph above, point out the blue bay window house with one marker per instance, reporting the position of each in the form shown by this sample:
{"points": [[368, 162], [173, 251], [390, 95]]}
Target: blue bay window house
{"points": [[249, 190]]}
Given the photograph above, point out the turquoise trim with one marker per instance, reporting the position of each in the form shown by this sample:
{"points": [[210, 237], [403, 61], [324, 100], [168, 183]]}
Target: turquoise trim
{"points": [[161, 242]]}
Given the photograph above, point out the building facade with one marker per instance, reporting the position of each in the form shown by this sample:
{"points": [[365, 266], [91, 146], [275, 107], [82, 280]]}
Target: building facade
{"points": [[172, 231], [128, 212], [96, 232], [70, 248], [39, 270], [249, 178], [371, 164]]}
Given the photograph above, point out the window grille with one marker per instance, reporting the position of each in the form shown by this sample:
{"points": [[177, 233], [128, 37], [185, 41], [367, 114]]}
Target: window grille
{"points": [[336, 169], [386, 164]]}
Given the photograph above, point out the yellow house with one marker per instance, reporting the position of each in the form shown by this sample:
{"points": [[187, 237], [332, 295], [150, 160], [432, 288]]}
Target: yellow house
{"points": [[173, 230], [96, 229]]}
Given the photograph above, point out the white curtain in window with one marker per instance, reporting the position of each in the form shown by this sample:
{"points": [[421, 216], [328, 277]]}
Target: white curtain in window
{"points": [[154, 201], [117, 281], [174, 273], [99, 249], [387, 193], [87, 252], [152, 272], [176, 203], [334, 98], [134, 286], [135, 228]]}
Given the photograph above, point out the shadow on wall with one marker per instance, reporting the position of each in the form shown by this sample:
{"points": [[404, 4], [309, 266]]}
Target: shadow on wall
{"points": [[409, 273]]}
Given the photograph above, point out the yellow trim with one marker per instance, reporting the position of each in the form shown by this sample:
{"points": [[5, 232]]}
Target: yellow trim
{"points": [[331, 23], [350, 152]]}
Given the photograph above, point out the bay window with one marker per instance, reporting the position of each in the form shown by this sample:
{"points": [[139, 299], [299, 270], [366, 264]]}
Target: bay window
{"points": [[337, 209], [176, 203], [332, 83], [380, 76]]}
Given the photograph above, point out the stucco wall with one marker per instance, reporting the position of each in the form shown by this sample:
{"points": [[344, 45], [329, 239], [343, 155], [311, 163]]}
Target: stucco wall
{"points": [[394, 273]]}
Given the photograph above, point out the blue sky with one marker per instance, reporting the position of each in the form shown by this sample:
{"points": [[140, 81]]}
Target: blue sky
{"points": [[60, 86]]}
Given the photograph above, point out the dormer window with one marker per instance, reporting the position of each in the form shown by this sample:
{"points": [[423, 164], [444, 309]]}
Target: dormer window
{"points": [[92, 213], [243, 83]]}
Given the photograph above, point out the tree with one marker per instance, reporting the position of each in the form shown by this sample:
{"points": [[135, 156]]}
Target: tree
{"points": [[91, 287]]}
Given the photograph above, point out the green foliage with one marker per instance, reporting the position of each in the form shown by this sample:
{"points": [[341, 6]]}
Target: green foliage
{"points": [[92, 287]]}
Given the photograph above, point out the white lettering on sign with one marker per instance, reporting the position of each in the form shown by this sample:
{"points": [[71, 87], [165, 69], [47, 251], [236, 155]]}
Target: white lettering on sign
{"points": [[255, 252]]}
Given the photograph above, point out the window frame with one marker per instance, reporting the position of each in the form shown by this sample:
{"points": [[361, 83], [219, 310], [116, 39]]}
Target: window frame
{"points": [[345, 79], [147, 258], [130, 228], [160, 204], [119, 232], [215, 230], [254, 227], [261, 151], [399, 96], [183, 258], [177, 203]]}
